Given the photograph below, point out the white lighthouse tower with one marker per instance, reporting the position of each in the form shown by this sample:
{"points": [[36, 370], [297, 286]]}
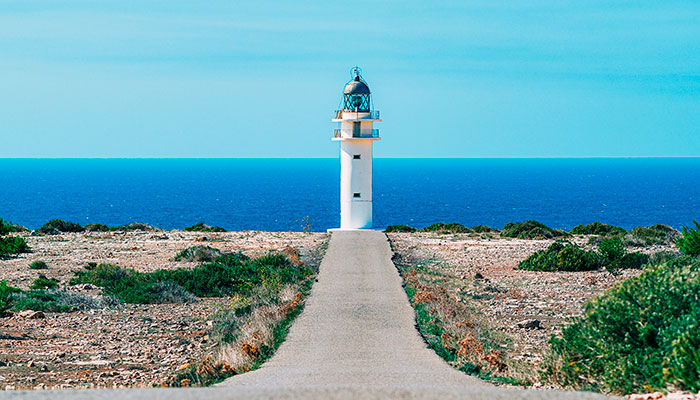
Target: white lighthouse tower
{"points": [[356, 136]]}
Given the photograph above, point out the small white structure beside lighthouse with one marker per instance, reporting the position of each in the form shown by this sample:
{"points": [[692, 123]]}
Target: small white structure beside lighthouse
{"points": [[356, 136]]}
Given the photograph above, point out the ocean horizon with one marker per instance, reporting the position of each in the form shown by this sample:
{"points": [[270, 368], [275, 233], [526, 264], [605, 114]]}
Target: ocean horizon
{"points": [[277, 194]]}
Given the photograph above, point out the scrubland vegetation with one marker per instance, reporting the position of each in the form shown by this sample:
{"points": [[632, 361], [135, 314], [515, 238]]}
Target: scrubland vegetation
{"points": [[266, 295], [641, 335], [454, 330], [11, 245], [530, 230], [57, 226], [441, 227], [43, 296], [563, 256], [253, 299], [202, 227]]}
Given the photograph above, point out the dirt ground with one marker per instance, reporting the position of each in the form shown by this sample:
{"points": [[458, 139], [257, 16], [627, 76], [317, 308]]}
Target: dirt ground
{"points": [[127, 345], [484, 275]]}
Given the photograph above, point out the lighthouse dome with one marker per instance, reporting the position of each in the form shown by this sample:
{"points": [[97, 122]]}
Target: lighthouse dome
{"points": [[356, 86]]}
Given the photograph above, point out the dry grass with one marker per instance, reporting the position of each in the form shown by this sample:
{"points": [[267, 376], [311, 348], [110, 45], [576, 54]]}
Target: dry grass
{"points": [[249, 329], [457, 331], [257, 331]]}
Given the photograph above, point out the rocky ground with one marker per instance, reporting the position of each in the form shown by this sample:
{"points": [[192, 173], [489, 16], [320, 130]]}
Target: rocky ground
{"points": [[126, 345], [527, 306]]}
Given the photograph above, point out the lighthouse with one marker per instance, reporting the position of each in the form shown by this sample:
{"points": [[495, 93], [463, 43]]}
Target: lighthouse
{"points": [[356, 136]]}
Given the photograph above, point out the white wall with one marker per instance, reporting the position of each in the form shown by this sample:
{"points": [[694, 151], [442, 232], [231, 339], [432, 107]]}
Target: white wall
{"points": [[356, 177]]}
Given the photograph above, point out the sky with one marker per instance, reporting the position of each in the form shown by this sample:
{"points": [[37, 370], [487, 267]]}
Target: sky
{"points": [[539, 78]]}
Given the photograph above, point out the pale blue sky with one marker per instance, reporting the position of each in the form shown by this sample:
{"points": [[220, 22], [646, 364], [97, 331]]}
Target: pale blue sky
{"points": [[547, 78]]}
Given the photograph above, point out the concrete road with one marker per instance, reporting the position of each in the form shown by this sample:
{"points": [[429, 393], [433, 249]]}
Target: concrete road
{"points": [[355, 339]]}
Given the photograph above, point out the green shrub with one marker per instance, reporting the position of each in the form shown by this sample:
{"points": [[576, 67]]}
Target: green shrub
{"points": [[442, 227], [483, 229], [44, 283], [227, 275], [96, 228], [655, 234], [202, 227], [597, 228], [642, 335], [400, 228], [634, 260], [530, 230], [40, 300], [12, 245], [690, 242], [6, 300], [664, 256], [198, 253], [8, 227], [134, 226], [56, 226], [612, 251], [561, 257], [38, 265], [82, 301]]}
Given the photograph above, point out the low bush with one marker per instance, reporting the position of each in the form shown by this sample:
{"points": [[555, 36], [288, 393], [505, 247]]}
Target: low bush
{"points": [[57, 226], [202, 227], [634, 260], [38, 265], [134, 226], [6, 300], [690, 242], [612, 251], [8, 227], [561, 257], [664, 256], [642, 335], [654, 234], [96, 228], [530, 230], [483, 229], [44, 283], [597, 228], [40, 300], [400, 228], [49, 300], [442, 227], [11, 245], [171, 292], [198, 253], [82, 301], [227, 275]]}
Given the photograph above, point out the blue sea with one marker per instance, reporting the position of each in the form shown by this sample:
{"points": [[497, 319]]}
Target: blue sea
{"points": [[279, 194]]}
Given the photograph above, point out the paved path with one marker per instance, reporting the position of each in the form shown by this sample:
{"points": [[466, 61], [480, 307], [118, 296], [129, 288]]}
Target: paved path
{"points": [[355, 339]]}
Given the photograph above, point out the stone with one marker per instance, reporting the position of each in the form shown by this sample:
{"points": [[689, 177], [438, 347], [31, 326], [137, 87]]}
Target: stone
{"points": [[29, 314], [529, 324]]}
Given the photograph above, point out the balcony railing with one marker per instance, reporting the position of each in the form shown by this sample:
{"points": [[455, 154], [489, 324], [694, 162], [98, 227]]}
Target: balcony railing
{"points": [[372, 114], [337, 133]]}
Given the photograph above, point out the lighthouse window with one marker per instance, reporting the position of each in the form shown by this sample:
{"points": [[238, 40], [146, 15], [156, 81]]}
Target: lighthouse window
{"points": [[356, 195], [355, 156]]}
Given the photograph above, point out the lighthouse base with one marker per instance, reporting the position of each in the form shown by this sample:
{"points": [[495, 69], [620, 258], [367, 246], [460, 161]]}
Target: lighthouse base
{"points": [[330, 230]]}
